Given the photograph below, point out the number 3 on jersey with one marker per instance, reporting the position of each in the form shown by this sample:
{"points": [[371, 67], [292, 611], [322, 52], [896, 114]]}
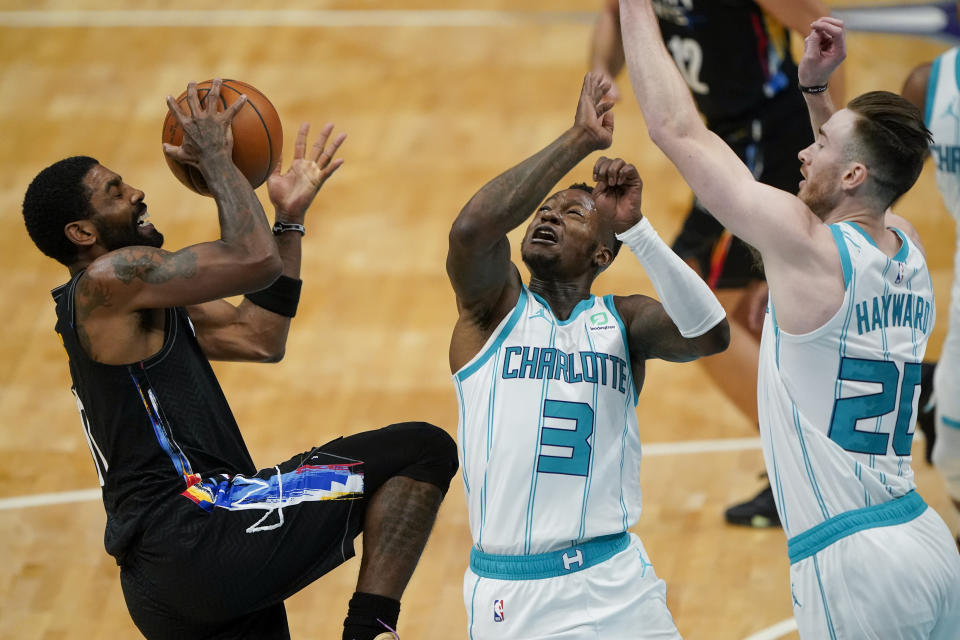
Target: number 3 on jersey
{"points": [[848, 411], [565, 446]]}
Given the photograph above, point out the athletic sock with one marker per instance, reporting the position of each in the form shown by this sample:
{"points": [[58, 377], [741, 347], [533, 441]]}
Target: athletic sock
{"points": [[369, 615]]}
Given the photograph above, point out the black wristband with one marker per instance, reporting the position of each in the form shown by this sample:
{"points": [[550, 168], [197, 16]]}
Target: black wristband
{"points": [[818, 88], [280, 227], [282, 297]]}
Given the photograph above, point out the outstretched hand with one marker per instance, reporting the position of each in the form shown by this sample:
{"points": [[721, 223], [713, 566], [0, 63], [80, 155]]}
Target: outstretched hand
{"points": [[293, 192], [823, 51], [593, 113], [206, 130], [618, 193]]}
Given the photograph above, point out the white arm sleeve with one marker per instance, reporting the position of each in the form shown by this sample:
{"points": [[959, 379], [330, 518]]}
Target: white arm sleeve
{"points": [[684, 295]]}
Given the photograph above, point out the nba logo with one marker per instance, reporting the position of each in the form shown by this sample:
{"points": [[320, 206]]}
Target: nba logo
{"points": [[498, 610]]}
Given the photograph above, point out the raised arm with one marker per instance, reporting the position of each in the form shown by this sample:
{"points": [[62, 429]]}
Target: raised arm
{"points": [[688, 321], [773, 221], [257, 329], [606, 46], [823, 51], [245, 257], [478, 262], [798, 15]]}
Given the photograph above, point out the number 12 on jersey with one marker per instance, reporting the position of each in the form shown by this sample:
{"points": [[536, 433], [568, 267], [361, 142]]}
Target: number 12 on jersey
{"points": [[566, 449], [848, 411]]}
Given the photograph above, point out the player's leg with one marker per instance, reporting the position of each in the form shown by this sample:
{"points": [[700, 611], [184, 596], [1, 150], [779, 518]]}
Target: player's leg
{"points": [[407, 468]]}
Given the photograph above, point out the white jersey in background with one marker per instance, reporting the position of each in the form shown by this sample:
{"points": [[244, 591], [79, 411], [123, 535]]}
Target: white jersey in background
{"points": [[943, 119], [549, 447], [838, 410]]}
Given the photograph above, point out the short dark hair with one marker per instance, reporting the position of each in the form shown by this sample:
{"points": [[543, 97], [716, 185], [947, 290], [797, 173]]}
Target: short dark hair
{"points": [[612, 241], [55, 198], [890, 137]]}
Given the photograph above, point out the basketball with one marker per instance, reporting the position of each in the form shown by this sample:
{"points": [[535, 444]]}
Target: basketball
{"points": [[257, 134]]}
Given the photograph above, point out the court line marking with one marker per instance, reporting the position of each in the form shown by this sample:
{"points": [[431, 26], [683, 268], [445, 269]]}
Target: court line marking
{"points": [[291, 18], [649, 450], [778, 630], [653, 449]]}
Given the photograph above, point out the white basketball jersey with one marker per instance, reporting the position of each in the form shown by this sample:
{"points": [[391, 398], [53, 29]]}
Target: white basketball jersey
{"points": [[943, 119], [838, 405], [549, 447]]}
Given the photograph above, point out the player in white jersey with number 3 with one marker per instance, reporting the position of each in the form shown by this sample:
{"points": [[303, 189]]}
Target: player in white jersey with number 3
{"points": [[851, 307], [547, 376]]}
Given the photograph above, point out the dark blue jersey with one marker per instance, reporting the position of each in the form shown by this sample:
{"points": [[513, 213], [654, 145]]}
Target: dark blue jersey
{"points": [[734, 57]]}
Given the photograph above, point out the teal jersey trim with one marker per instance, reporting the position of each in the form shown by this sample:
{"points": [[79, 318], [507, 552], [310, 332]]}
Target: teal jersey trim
{"points": [[904, 248], [511, 323], [932, 81], [608, 301], [582, 306], [953, 424], [845, 261], [548, 565], [818, 538], [863, 233]]}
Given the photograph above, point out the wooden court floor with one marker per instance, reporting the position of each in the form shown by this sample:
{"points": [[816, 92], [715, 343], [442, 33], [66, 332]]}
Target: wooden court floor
{"points": [[432, 112]]}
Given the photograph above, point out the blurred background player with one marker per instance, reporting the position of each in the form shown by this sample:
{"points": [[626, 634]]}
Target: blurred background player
{"points": [[933, 88], [548, 376], [735, 57]]}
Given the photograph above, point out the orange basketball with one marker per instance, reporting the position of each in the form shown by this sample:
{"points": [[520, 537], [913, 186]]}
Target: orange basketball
{"points": [[257, 134]]}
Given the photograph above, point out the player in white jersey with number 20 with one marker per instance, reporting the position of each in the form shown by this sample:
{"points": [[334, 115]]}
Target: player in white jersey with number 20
{"points": [[851, 307], [547, 376]]}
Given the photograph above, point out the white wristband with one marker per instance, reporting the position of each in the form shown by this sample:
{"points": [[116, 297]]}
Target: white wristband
{"points": [[684, 295]]}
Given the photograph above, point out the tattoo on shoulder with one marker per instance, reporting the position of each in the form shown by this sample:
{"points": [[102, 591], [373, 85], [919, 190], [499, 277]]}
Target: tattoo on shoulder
{"points": [[154, 266]]}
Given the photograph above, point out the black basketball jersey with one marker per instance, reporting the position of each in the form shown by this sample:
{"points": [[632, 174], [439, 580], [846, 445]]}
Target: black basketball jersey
{"points": [[154, 427], [733, 56]]}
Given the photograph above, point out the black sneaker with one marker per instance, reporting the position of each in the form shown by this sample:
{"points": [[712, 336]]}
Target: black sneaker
{"points": [[760, 512], [926, 416]]}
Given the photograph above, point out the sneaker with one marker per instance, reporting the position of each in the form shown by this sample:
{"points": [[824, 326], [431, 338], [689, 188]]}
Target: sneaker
{"points": [[760, 512], [926, 416]]}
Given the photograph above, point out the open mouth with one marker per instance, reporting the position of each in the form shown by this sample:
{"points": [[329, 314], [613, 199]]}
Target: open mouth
{"points": [[545, 234], [143, 220]]}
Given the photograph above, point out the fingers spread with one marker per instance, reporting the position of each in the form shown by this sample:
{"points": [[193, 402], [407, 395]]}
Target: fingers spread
{"points": [[300, 147]]}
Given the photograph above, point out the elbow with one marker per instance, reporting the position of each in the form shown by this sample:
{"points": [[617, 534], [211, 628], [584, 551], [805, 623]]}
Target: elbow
{"points": [[275, 355], [465, 229], [665, 130], [717, 339]]}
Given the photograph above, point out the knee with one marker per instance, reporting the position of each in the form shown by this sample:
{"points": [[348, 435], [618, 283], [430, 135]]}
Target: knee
{"points": [[436, 459]]}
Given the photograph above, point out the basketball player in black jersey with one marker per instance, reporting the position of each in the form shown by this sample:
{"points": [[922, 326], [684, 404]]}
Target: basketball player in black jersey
{"points": [[735, 57], [208, 545]]}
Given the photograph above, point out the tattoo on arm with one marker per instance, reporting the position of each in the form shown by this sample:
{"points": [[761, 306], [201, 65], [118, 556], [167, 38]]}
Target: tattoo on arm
{"points": [[90, 296], [154, 267]]}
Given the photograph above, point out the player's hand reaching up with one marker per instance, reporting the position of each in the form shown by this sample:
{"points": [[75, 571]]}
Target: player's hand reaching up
{"points": [[206, 129], [594, 117], [823, 51], [292, 192], [618, 192]]}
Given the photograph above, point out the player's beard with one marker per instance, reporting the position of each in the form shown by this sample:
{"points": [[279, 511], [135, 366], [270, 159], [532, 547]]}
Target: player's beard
{"points": [[117, 237], [818, 198]]}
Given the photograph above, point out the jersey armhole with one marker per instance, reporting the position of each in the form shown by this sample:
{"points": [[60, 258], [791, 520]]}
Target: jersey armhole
{"points": [[610, 304], [496, 338], [845, 262]]}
